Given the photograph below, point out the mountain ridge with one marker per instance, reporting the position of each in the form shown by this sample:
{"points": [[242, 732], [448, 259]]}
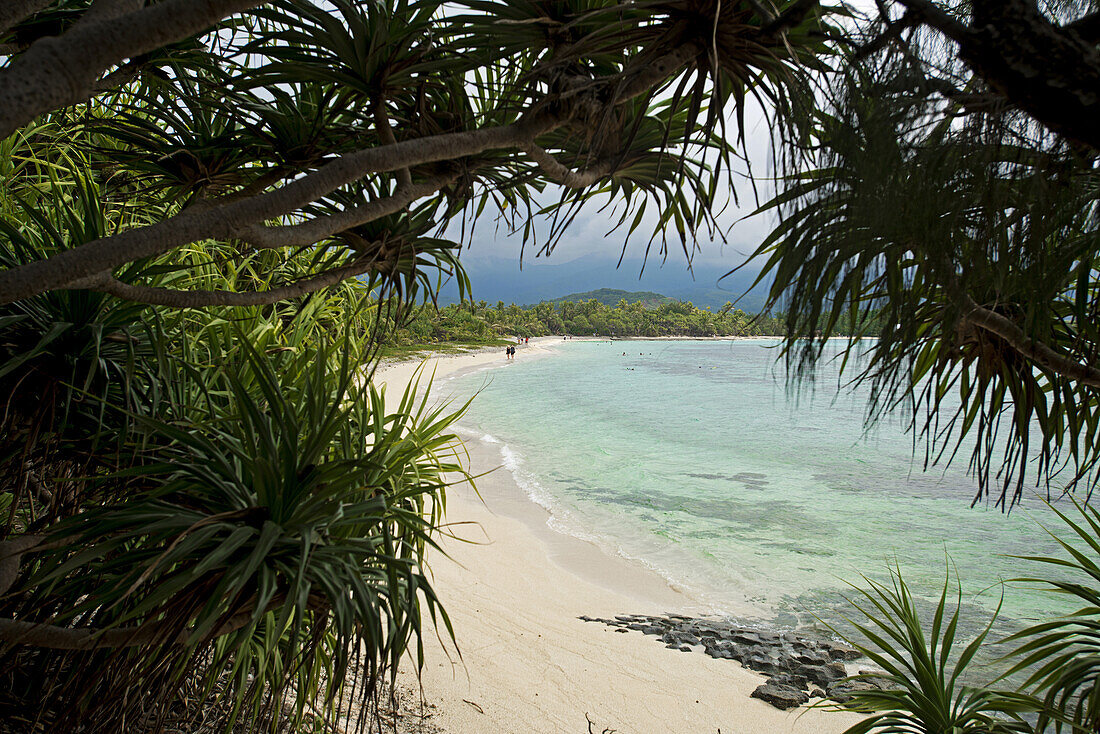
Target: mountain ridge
{"points": [[502, 279], [612, 296]]}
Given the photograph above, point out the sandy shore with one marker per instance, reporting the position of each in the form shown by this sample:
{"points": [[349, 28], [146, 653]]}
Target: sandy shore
{"points": [[514, 590]]}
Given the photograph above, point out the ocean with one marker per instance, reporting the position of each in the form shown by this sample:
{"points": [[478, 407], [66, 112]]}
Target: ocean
{"points": [[694, 459]]}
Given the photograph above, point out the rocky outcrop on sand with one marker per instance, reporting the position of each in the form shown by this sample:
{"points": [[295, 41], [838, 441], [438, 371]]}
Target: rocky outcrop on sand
{"points": [[798, 667]]}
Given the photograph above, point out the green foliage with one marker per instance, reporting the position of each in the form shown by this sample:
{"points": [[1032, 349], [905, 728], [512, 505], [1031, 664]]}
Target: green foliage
{"points": [[66, 355], [1055, 664], [228, 519], [920, 688], [969, 233], [272, 543], [1062, 656]]}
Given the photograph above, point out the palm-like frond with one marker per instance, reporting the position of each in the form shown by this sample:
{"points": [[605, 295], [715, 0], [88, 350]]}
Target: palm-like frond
{"points": [[1061, 657], [920, 687], [274, 542], [64, 356], [909, 222]]}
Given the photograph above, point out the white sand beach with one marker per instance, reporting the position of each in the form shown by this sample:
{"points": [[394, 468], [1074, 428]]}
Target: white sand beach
{"points": [[515, 590]]}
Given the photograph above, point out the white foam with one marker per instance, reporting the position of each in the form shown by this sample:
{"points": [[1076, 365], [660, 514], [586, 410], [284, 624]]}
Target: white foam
{"points": [[524, 479]]}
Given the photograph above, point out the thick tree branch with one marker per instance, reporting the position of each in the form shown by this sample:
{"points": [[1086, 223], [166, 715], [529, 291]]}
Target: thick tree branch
{"points": [[11, 552], [382, 123], [1036, 352], [58, 71], [1049, 72], [229, 221], [647, 73], [117, 78], [108, 10], [563, 174], [318, 228], [13, 12]]}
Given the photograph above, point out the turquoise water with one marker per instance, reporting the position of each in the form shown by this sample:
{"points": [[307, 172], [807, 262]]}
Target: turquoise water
{"points": [[692, 458]]}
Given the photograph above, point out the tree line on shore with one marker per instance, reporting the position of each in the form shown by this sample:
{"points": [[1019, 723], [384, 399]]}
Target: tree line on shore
{"points": [[472, 322]]}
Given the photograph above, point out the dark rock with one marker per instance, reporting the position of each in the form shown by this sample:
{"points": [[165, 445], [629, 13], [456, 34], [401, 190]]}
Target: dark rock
{"points": [[812, 657], [791, 661], [840, 691], [817, 693], [838, 651], [753, 639], [823, 675], [782, 697], [764, 664], [792, 680]]}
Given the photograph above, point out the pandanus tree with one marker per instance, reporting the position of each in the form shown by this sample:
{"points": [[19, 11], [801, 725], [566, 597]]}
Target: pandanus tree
{"points": [[944, 198], [209, 208], [943, 201]]}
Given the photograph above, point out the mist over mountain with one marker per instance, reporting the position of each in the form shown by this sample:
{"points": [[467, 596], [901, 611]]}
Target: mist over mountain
{"points": [[501, 279]]}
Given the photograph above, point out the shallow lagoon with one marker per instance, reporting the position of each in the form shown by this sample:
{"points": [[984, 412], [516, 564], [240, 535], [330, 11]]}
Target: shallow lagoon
{"points": [[693, 458]]}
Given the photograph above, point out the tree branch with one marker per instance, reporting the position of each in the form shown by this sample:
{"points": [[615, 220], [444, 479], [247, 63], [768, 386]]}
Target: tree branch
{"points": [[58, 71], [1043, 69], [382, 122], [108, 10], [318, 228], [231, 220], [14, 12], [563, 174], [11, 552], [933, 15], [892, 33], [1036, 352], [117, 78], [648, 73]]}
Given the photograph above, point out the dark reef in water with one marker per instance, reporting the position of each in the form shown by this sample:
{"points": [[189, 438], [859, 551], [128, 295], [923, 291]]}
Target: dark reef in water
{"points": [[798, 667]]}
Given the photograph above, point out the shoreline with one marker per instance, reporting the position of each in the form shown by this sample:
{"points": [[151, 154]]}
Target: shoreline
{"points": [[517, 593]]}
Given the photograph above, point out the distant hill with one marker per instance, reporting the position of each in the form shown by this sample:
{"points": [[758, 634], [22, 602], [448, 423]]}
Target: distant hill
{"points": [[501, 279], [612, 296]]}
